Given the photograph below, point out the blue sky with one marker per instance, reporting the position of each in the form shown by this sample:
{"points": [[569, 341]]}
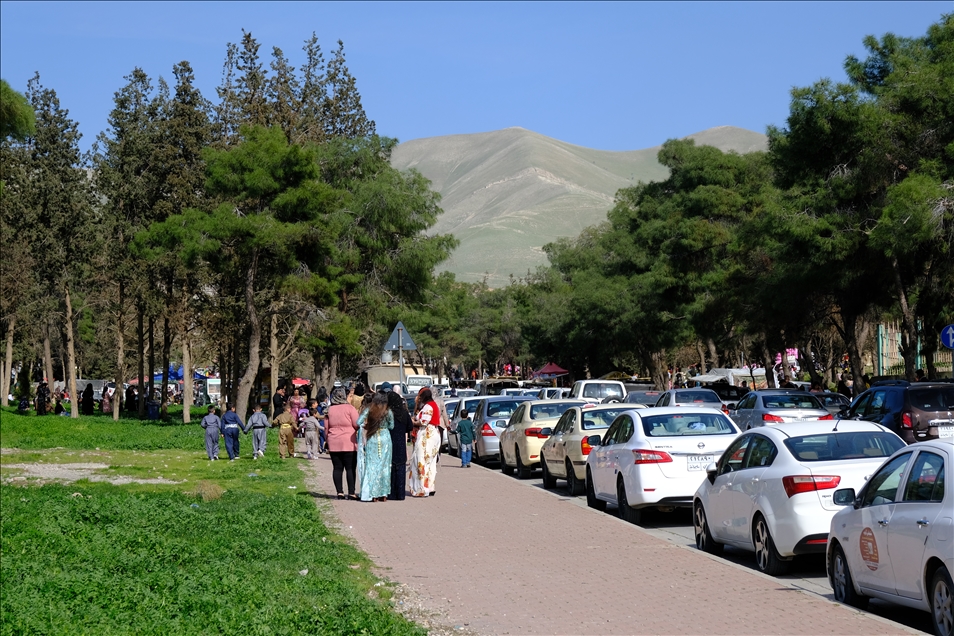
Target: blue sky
{"points": [[612, 76]]}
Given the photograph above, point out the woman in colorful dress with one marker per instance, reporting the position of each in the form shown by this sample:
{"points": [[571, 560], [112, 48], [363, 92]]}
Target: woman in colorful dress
{"points": [[296, 404], [427, 444], [374, 449]]}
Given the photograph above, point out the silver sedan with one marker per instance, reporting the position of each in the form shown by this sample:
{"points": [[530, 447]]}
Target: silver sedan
{"points": [[775, 406]]}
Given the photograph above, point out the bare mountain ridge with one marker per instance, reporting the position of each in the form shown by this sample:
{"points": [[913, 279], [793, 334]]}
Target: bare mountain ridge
{"points": [[507, 193]]}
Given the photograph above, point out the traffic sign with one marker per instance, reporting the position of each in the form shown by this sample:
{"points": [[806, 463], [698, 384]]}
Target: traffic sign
{"points": [[947, 336], [400, 340]]}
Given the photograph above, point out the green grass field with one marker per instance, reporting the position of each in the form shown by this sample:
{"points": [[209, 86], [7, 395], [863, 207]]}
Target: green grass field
{"points": [[219, 548]]}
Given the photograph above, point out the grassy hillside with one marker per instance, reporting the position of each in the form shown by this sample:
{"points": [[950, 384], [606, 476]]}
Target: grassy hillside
{"points": [[509, 192]]}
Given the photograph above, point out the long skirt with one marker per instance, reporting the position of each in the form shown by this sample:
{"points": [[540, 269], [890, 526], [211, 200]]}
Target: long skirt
{"points": [[374, 465], [422, 468]]}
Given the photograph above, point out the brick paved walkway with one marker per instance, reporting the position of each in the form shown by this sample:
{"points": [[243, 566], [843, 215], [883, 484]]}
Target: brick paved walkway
{"points": [[506, 558]]}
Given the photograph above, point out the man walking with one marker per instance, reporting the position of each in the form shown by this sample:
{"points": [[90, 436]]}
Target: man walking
{"points": [[258, 424], [286, 434], [278, 402], [231, 425], [211, 424]]}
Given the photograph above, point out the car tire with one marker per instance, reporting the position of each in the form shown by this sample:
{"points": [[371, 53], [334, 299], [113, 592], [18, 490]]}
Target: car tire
{"points": [[704, 540], [591, 500], [575, 486], [522, 471], [549, 481], [624, 510], [504, 468], [766, 556], [839, 576], [942, 602]]}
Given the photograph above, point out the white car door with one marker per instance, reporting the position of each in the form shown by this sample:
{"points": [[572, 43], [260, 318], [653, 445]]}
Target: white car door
{"points": [[723, 492], [749, 485], [603, 477], [913, 521], [622, 454], [554, 449], [868, 539]]}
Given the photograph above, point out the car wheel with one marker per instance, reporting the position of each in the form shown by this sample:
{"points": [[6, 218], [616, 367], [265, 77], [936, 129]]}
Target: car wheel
{"points": [[591, 500], [942, 602], [704, 540], [522, 471], [575, 485], [766, 556], [504, 468], [549, 481], [841, 584], [625, 511]]}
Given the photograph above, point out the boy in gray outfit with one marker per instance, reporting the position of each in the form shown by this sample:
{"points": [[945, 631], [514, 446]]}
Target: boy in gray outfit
{"points": [[258, 424], [212, 425]]}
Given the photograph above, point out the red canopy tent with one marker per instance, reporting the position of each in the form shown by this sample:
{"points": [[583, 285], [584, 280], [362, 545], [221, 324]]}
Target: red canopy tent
{"points": [[300, 382], [549, 371]]}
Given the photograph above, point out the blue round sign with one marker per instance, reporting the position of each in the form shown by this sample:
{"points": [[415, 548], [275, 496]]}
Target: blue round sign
{"points": [[947, 336]]}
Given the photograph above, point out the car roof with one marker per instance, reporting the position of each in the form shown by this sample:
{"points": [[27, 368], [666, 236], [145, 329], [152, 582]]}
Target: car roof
{"points": [[817, 427], [673, 410], [574, 401], [692, 388]]}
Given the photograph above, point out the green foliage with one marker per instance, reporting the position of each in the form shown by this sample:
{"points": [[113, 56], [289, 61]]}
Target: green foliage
{"points": [[16, 115]]}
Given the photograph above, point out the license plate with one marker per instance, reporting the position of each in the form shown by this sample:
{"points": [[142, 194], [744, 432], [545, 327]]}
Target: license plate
{"points": [[699, 462], [945, 431]]}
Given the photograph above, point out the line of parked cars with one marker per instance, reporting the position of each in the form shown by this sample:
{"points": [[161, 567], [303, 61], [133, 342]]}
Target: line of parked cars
{"points": [[779, 473]]}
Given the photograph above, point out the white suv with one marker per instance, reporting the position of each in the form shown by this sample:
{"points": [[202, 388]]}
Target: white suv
{"points": [[597, 391]]}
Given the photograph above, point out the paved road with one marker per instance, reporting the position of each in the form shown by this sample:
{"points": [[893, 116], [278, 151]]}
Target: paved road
{"points": [[504, 556]]}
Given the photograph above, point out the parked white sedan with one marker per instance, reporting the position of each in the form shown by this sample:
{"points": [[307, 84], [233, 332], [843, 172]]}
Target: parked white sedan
{"points": [[654, 458], [771, 491], [895, 539]]}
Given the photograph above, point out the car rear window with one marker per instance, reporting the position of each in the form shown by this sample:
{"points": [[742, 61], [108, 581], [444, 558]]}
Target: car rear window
{"points": [[698, 396], [790, 402], [600, 419], [687, 424], [602, 390], [501, 409], [939, 398], [642, 397], [553, 409], [839, 445]]}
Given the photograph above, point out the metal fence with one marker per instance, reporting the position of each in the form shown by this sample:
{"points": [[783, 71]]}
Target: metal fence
{"points": [[887, 353]]}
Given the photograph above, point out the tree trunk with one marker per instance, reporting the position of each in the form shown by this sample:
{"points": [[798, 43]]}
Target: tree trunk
{"points": [[234, 382], [702, 357], [855, 336], [909, 326], [150, 384], [767, 361], [186, 380], [71, 357], [273, 378], [658, 370], [805, 359], [141, 392], [8, 360], [166, 343], [119, 395], [47, 355], [254, 341], [714, 354]]}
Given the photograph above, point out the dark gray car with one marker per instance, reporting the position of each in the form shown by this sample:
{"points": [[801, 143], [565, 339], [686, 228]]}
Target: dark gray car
{"points": [[490, 419]]}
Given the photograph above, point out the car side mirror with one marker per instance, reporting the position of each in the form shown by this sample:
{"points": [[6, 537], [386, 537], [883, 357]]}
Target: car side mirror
{"points": [[844, 497], [501, 423], [594, 440], [843, 412], [711, 472], [545, 432], [733, 406]]}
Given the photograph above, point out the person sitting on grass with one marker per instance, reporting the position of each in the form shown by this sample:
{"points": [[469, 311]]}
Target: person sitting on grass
{"points": [[211, 424]]}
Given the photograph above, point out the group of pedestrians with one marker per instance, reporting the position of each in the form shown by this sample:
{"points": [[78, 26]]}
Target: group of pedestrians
{"points": [[365, 434]]}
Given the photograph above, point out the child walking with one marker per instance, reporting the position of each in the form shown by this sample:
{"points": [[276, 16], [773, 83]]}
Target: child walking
{"points": [[465, 436]]}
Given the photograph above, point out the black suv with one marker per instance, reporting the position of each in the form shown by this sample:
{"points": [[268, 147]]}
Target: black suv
{"points": [[916, 411]]}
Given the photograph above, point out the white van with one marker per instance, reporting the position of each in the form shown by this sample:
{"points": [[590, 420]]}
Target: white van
{"points": [[213, 386], [417, 382]]}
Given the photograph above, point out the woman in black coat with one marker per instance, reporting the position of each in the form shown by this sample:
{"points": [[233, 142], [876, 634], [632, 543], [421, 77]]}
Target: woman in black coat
{"points": [[88, 402], [402, 427]]}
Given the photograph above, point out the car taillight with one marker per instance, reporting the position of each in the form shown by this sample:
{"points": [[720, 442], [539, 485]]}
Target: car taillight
{"points": [[651, 457], [768, 417], [585, 447], [486, 431], [534, 432], [796, 484], [725, 409], [906, 421], [827, 417]]}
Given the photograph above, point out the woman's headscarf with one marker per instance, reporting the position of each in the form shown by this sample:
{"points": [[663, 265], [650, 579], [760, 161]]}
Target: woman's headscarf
{"points": [[338, 396]]}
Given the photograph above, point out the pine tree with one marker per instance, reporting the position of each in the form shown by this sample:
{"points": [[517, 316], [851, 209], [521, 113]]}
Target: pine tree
{"points": [[284, 95], [312, 96], [342, 114]]}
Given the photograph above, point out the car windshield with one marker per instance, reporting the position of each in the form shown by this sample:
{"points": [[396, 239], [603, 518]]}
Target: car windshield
{"points": [[602, 390], [499, 410], [697, 396], [642, 397], [933, 398], [553, 409], [687, 424], [843, 445], [600, 419], [451, 408], [728, 391], [832, 399], [790, 402]]}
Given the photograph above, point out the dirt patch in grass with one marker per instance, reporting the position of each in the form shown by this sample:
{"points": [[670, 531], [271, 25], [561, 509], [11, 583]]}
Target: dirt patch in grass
{"points": [[68, 473]]}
